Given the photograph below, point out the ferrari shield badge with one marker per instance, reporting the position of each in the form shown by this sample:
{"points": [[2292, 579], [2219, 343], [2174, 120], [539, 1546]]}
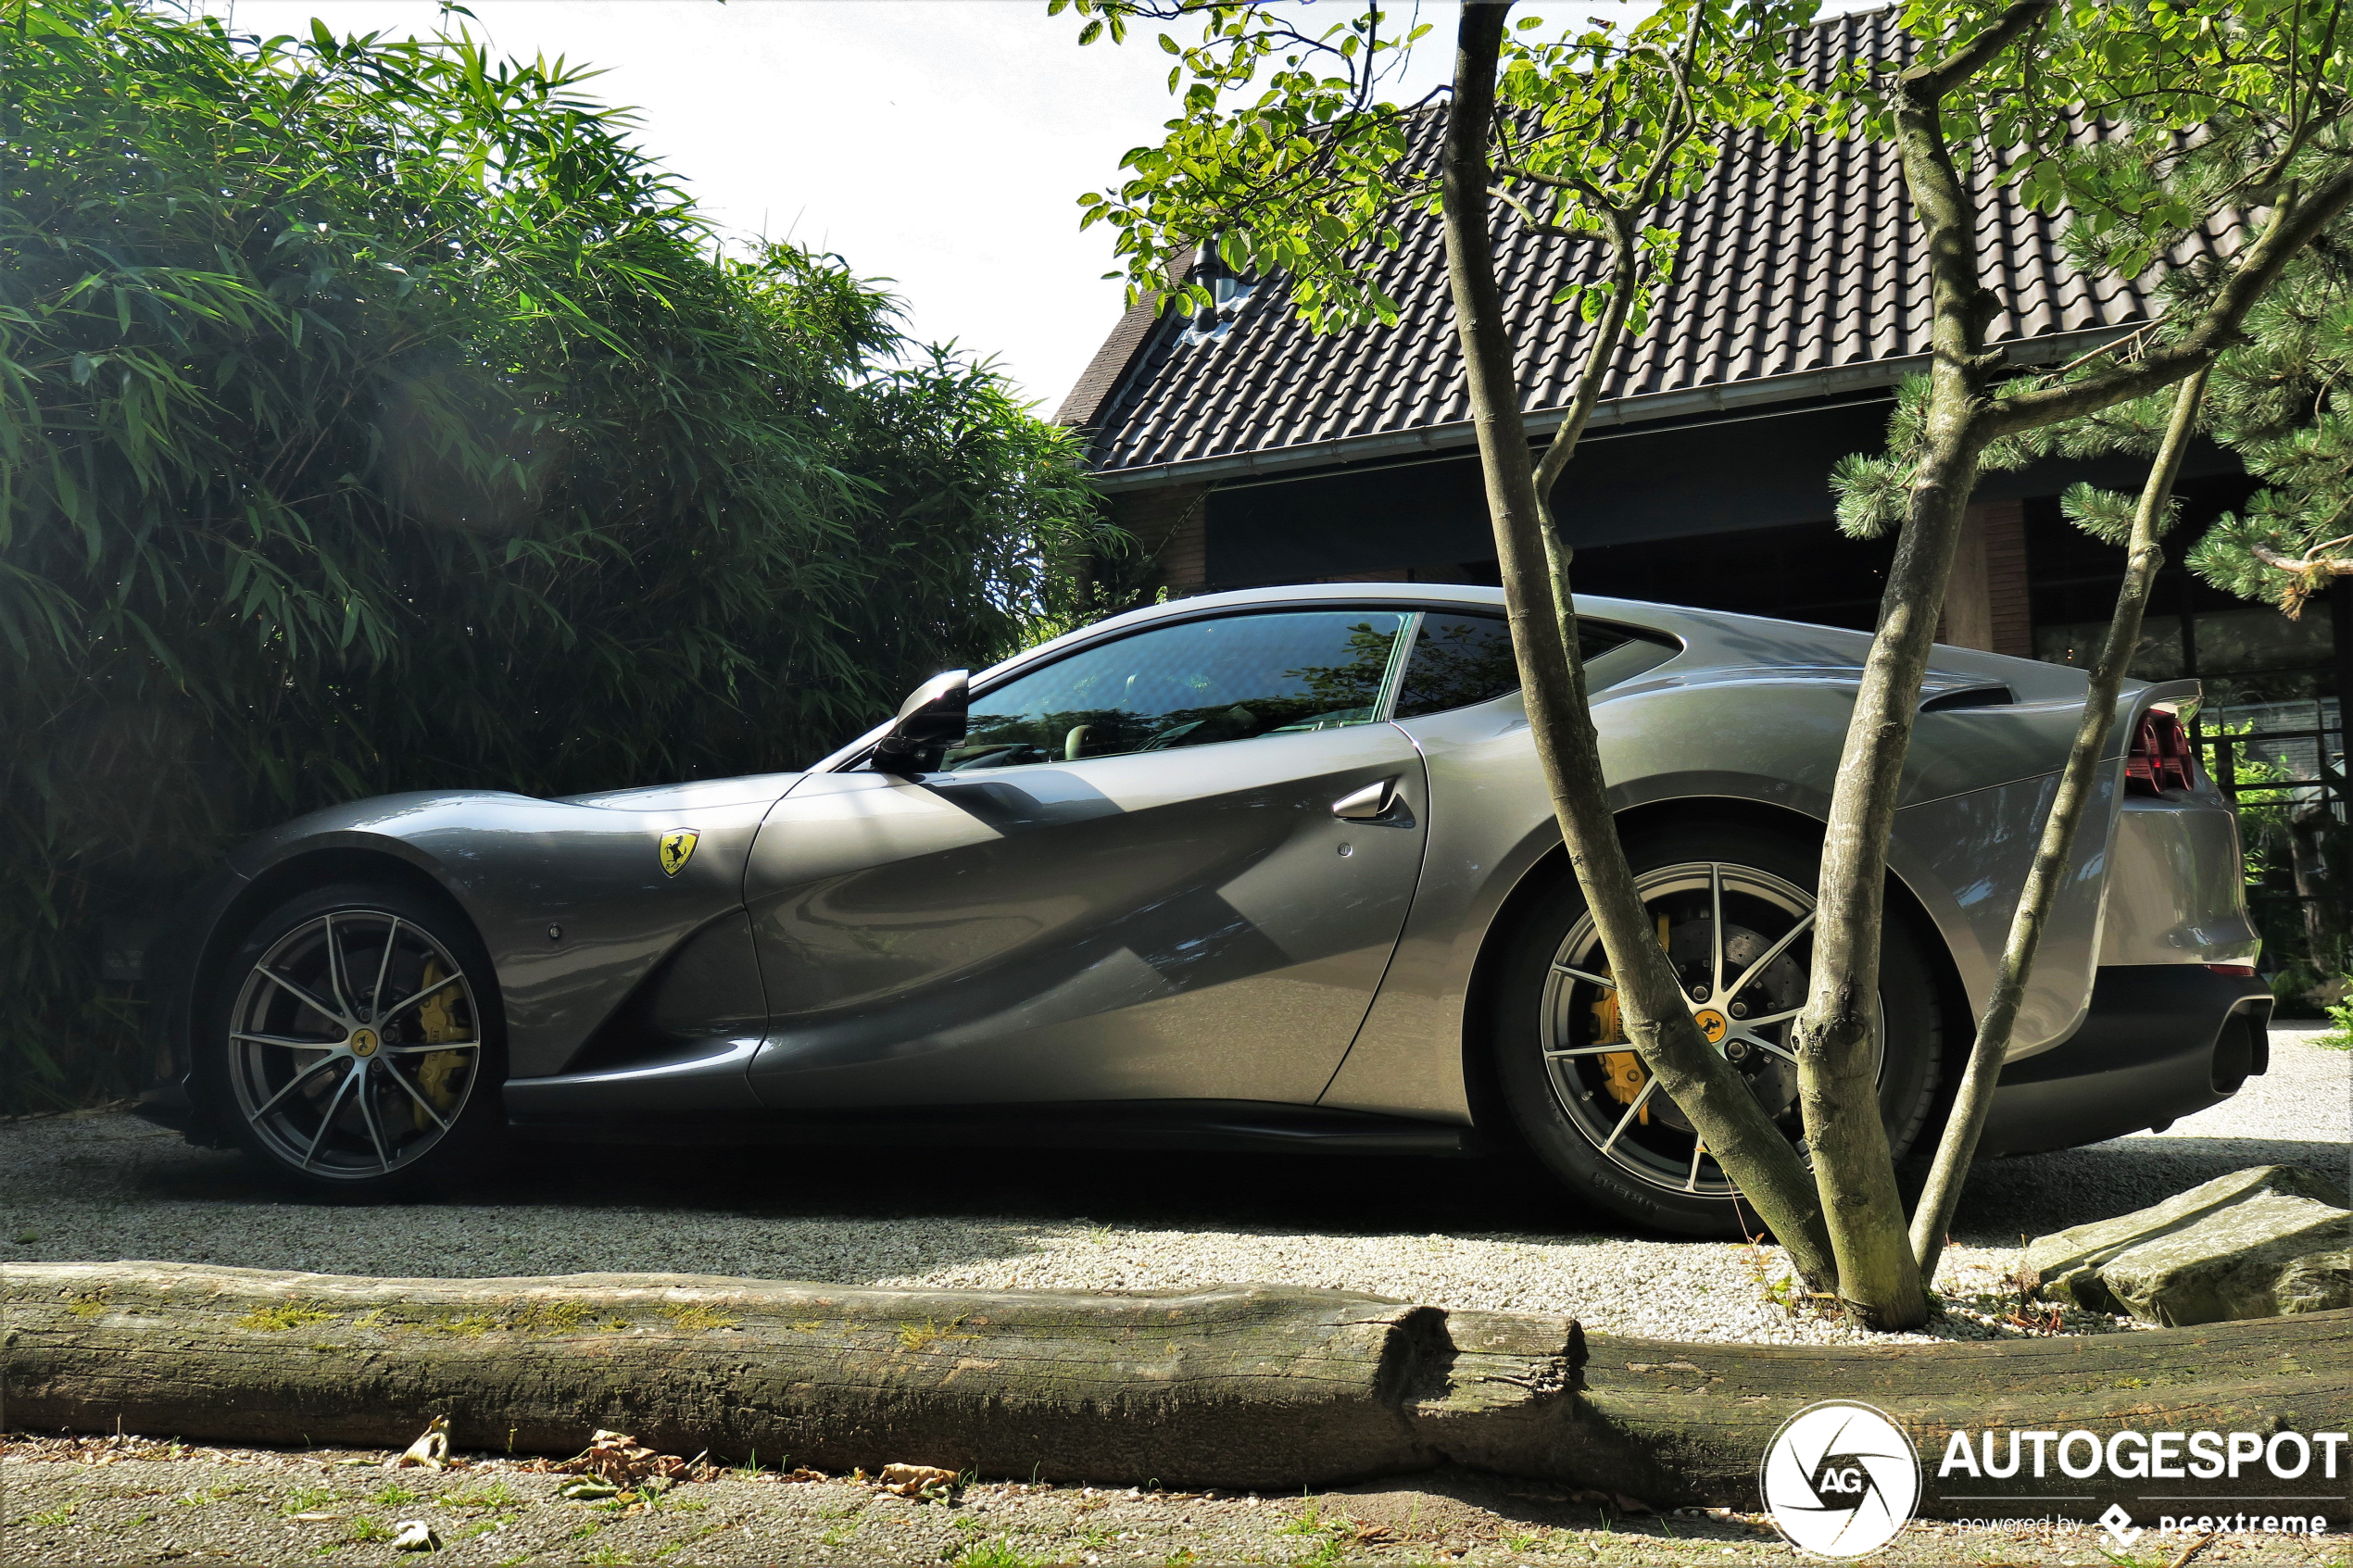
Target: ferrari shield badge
{"points": [[676, 846]]}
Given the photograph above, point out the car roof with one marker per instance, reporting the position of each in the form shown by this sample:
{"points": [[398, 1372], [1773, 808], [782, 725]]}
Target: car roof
{"points": [[1710, 636]]}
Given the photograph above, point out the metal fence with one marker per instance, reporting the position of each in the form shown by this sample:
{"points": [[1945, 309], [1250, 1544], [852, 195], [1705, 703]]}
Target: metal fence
{"points": [[2281, 764]]}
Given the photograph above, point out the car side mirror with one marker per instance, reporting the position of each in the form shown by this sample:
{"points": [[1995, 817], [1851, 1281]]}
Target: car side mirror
{"points": [[928, 723]]}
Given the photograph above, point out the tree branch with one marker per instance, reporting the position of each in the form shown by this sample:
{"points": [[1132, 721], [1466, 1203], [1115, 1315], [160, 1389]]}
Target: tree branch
{"points": [[2305, 565], [1928, 83]]}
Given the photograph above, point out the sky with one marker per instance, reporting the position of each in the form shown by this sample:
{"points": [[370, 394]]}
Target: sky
{"points": [[939, 144]]}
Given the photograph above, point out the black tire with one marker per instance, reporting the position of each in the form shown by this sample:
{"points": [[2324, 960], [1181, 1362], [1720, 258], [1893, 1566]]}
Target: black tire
{"points": [[1565, 1106], [378, 988]]}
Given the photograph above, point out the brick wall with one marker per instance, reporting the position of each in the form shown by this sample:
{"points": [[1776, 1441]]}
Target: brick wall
{"points": [[1986, 604], [2012, 613], [1171, 525]]}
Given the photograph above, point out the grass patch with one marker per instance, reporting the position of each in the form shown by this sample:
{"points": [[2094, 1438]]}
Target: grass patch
{"points": [[498, 1494], [923, 1336], [1311, 1522], [997, 1552], [366, 1529], [285, 1316], [548, 1317], [307, 1499], [694, 1317], [394, 1496], [57, 1518]]}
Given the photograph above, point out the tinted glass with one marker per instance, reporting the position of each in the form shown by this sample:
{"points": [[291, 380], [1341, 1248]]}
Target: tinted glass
{"points": [[1459, 660], [1234, 678]]}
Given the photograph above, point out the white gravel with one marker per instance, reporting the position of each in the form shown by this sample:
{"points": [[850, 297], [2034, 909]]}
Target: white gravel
{"points": [[1460, 1233]]}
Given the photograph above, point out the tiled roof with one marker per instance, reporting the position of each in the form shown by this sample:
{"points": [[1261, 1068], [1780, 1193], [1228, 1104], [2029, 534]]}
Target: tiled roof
{"points": [[1802, 261]]}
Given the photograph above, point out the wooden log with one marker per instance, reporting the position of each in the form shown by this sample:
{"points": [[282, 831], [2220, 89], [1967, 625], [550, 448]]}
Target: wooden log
{"points": [[1684, 1421], [1247, 1386]]}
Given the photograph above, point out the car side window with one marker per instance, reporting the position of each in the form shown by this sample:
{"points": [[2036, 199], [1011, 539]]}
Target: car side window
{"points": [[1197, 683], [1462, 658]]}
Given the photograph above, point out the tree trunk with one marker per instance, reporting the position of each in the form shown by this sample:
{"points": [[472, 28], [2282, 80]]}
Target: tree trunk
{"points": [[1854, 1166], [1249, 1385], [1740, 1136], [2079, 780]]}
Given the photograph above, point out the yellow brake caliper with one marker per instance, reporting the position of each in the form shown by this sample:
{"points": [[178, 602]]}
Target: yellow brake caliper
{"points": [[436, 1020], [1623, 1074]]}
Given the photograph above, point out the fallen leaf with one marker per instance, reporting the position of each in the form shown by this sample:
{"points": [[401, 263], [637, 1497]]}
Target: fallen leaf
{"points": [[430, 1451], [319, 1517], [621, 1460], [414, 1535], [917, 1480], [587, 1489]]}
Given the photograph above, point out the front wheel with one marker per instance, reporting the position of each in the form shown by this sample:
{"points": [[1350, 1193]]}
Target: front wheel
{"points": [[1734, 908], [355, 1043]]}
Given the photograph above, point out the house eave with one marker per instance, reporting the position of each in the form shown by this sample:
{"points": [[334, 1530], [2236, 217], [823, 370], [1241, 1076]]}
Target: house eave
{"points": [[1651, 407]]}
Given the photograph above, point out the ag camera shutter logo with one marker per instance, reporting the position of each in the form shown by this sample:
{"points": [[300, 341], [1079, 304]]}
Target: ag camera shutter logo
{"points": [[1840, 1479]]}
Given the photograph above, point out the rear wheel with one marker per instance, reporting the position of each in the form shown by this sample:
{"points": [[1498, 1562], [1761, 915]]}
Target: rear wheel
{"points": [[1734, 908], [355, 1045]]}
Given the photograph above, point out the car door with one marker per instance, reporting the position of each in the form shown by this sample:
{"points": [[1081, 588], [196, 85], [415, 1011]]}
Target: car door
{"points": [[1128, 883]]}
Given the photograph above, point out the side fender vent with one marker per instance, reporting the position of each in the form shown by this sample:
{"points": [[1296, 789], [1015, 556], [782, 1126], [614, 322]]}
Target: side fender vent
{"points": [[1969, 697]]}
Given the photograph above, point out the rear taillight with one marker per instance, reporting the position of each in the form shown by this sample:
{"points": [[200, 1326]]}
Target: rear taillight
{"points": [[2160, 760]]}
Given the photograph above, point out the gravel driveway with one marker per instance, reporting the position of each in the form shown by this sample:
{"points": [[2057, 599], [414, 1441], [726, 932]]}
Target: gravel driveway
{"points": [[1457, 1234]]}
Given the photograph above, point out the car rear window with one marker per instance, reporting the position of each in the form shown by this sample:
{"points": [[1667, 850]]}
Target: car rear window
{"points": [[1460, 659]]}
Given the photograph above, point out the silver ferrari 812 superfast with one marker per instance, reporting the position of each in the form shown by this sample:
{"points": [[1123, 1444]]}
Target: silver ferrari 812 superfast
{"points": [[1271, 870]]}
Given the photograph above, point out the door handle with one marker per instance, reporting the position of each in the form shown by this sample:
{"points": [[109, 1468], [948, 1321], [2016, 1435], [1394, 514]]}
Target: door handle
{"points": [[1375, 803]]}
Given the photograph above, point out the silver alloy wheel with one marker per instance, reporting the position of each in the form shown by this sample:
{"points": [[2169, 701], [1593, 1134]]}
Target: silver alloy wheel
{"points": [[354, 1044], [1738, 937]]}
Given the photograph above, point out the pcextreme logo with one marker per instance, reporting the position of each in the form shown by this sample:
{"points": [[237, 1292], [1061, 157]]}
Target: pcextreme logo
{"points": [[1840, 1479]]}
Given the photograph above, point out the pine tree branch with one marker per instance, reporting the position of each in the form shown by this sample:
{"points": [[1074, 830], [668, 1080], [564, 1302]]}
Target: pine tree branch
{"points": [[2216, 328]]}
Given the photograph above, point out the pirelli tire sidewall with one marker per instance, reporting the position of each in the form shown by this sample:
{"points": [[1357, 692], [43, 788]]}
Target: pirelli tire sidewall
{"points": [[1908, 1078]]}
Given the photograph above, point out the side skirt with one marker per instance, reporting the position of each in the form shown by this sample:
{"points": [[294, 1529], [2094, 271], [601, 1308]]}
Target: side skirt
{"points": [[1203, 1126]]}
